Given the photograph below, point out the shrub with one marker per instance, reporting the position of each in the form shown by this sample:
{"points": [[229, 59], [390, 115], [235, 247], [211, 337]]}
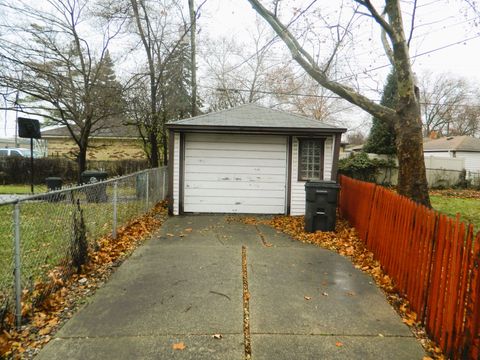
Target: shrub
{"points": [[360, 166]]}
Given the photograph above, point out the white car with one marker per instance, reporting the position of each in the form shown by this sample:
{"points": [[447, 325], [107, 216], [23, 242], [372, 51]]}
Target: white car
{"points": [[18, 152]]}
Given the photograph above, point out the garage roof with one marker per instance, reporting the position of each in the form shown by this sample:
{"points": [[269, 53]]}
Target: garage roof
{"points": [[453, 143], [252, 117]]}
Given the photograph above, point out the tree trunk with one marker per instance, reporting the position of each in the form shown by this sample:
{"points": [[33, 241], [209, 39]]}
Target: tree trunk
{"points": [[82, 162], [412, 178], [153, 150], [193, 29], [165, 148]]}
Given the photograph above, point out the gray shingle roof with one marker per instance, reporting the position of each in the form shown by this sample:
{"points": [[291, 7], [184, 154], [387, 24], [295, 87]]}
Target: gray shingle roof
{"points": [[453, 143], [253, 116], [111, 128]]}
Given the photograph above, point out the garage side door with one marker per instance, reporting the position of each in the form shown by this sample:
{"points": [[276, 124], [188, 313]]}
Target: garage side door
{"points": [[235, 173]]}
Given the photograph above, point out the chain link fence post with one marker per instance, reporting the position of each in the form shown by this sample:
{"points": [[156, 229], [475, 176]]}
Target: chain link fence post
{"points": [[147, 186], [18, 279], [164, 182], [115, 198]]}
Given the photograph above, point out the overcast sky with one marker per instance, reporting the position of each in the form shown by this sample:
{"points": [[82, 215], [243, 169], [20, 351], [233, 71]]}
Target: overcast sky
{"points": [[445, 40]]}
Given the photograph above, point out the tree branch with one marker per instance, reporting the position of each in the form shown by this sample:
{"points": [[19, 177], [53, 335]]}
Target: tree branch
{"points": [[306, 61]]}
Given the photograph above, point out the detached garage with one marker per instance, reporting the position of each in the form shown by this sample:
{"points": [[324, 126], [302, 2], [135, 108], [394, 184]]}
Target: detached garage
{"points": [[248, 159]]}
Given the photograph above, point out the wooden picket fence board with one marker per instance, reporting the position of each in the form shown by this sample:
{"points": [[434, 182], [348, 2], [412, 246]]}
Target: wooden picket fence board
{"points": [[433, 260]]}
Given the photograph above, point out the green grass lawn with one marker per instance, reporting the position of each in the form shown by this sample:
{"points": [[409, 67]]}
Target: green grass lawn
{"points": [[46, 230], [22, 189], [469, 209]]}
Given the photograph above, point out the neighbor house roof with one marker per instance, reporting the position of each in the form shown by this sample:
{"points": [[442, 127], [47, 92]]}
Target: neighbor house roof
{"points": [[107, 129], [252, 117], [453, 143]]}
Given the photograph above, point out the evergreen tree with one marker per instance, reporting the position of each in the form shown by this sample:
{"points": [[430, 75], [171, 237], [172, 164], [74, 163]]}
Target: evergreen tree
{"points": [[107, 91], [381, 139], [176, 87]]}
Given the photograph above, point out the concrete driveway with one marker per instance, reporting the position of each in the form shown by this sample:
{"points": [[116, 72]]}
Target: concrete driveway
{"points": [[187, 284]]}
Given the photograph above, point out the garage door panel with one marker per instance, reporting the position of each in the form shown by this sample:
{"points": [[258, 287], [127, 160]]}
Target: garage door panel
{"points": [[246, 193], [248, 146], [239, 171], [232, 177], [235, 154], [234, 201], [233, 138], [224, 161], [246, 209], [235, 173], [237, 185]]}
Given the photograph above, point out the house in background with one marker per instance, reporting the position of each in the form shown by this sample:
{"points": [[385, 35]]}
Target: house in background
{"points": [[113, 141], [462, 147], [248, 159]]}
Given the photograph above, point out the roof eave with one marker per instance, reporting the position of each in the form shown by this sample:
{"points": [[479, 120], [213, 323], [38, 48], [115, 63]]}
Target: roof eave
{"points": [[252, 129]]}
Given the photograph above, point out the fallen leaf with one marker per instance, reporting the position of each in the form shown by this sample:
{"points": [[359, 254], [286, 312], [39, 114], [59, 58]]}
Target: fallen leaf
{"points": [[217, 336], [45, 331], [307, 297], [179, 346], [325, 294], [188, 230], [170, 234], [409, 322], [338, 344]]}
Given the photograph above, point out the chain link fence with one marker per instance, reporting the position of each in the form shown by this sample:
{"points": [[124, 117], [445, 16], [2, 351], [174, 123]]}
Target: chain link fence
{"points": [[43, 237]]}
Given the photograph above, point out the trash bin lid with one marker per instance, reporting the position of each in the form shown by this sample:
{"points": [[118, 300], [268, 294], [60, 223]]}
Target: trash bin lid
{"points": [[322, 184], [94, 173]]}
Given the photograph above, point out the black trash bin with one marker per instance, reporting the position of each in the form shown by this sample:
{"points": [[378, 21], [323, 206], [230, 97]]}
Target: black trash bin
{"points": [[54, 183], [96, 193], [321, 205]]}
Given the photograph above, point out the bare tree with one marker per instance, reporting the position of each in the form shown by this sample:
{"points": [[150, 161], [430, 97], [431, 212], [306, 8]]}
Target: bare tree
{"points": [[48, 56], [356, 138], [299, 93], [406, 117], [238, 76], [449, 105], [161, 31]]}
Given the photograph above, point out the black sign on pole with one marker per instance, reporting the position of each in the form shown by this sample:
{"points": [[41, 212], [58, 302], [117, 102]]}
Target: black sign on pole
{"points": [[29, 128]]}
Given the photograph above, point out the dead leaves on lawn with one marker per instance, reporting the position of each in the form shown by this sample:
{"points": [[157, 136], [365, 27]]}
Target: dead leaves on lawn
{"points": [[179, 346], [63, 291], [457, 193]]}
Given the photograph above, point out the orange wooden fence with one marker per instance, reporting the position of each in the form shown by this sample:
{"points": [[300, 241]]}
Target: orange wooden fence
{"points": [[434, 261]]}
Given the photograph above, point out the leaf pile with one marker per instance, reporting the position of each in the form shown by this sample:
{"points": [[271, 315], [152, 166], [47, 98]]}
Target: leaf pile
{"points": [[346, 242], [457, 193], [70, 292]]}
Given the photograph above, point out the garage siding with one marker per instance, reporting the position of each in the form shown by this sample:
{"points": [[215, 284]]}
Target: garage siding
{"points": [[297, 202], [228, 173], [472, 160]]}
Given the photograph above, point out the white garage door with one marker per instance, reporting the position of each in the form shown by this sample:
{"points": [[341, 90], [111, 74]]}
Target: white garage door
{"points": [[235, 173]]}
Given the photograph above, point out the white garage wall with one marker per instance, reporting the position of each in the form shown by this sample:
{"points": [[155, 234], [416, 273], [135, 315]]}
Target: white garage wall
{"points": [[472, 160], [297, 200]]}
